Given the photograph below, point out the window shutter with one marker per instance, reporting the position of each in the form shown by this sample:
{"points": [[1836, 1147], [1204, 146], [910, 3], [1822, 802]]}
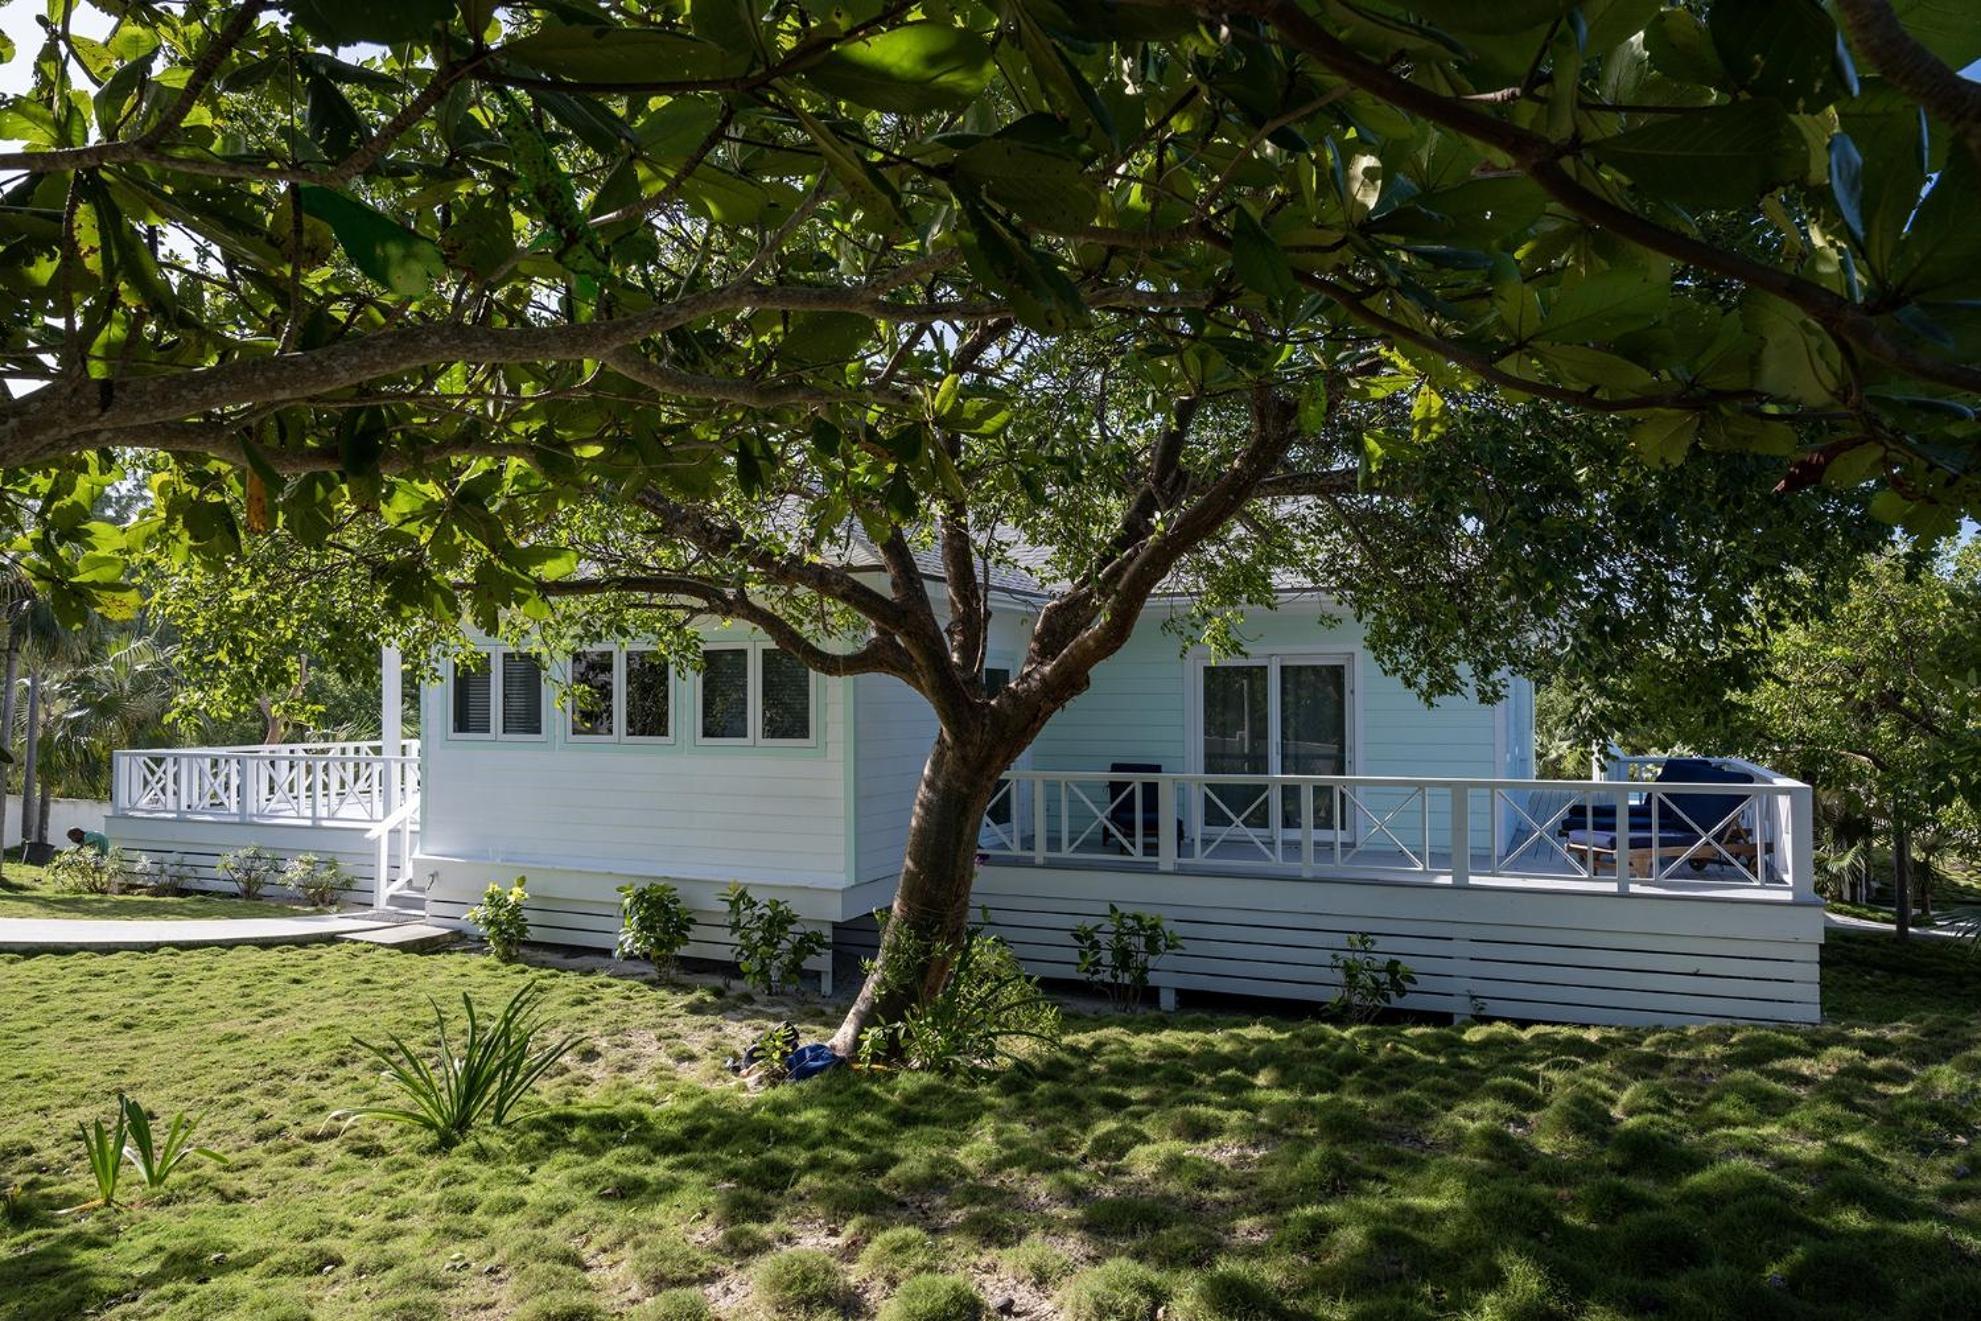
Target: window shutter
{"points": [[787, 696], [647, 695], [522, 694], [471, 699]]}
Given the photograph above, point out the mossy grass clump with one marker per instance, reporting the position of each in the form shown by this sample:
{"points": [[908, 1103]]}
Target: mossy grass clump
{"points": [[1118, 1289], [895, 1254], [934, 1298], [799, 1282]]}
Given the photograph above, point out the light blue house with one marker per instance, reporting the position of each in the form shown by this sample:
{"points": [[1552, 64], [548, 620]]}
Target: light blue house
{"points": [[1270, 805]]}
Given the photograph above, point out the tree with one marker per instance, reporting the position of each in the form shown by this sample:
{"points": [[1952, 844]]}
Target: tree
{"points": [[1878, 702], [513, 283]]}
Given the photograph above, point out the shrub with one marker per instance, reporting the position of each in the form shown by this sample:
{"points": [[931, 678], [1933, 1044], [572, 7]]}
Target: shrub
{"points": [[1367, 987], [85, 871], [1117, 955], [501, 919], [496, 1064], [800, 1281], [156, 1161], [988, 1013], [320, 881], [770, 949], [934, 1298], [165, 877], [1116, 1290], [654, 924], [252, 869]]}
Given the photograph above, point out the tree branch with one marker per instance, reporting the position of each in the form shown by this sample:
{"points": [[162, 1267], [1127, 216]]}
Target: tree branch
{"points": [[1915, 70]]}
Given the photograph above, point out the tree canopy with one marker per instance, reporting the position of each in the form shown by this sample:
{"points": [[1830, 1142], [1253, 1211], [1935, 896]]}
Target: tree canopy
{"points": [[461, 264]]}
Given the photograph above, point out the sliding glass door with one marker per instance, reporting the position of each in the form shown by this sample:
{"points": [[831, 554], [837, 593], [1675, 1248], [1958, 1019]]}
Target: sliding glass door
{"points": [[1275, 715]]}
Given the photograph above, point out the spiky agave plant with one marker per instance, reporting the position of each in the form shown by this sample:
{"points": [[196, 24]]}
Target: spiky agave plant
{"points": [[495, 1066]]}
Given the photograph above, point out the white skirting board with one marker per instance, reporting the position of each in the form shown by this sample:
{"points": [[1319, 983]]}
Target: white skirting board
{"points": [[581, 908], [202, 843], [1504, 952]]}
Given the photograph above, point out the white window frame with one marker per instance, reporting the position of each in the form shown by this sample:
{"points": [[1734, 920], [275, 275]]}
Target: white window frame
{"points": [[1351, 753], [624, 695], [543, 699], [754, 691], [488, 655], [617, 683]]}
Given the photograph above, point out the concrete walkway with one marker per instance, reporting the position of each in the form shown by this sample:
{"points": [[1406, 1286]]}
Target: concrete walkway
{"points": [[35, 935]]}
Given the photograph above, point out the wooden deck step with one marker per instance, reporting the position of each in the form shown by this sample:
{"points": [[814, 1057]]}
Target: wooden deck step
{"points": [[406, 935]]}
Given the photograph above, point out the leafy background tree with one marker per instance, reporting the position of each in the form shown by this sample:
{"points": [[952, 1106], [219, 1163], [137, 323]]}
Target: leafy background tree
{"points": [[653, 307]]}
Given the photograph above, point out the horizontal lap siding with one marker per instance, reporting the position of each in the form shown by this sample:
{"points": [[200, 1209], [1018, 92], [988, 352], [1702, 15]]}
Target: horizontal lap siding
{"points": [[201, 845], [775, 815], [581, 909], [894, 728], [1573, 958]]}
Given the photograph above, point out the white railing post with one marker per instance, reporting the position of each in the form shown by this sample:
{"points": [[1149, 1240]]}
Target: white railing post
{"points": [[1461, 835], [1307, 831], [1800, 841], [382, 874], [1622, 836], [1165, 824], [1039, 820]]}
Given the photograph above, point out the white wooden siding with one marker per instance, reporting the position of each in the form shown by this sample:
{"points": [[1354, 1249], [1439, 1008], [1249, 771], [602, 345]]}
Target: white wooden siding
{"points": [[200, 844], [1506, 951], [894, 728], [684, 809]]}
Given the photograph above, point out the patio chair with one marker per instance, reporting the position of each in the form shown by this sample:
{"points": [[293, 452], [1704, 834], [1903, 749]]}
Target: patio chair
{"points": [[1698, 828], [1602, 816], [1135, 815]]}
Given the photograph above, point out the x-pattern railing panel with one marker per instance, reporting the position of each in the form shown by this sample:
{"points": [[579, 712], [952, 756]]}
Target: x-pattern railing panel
{"points": [[1544, 833], [1379, 825], [1263, 839]]}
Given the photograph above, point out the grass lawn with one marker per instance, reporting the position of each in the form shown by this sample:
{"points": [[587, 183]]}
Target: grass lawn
{"points": [[25, 891], [1220, 1167]]}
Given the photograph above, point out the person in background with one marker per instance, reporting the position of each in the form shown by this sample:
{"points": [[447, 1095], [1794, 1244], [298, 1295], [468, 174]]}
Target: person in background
{"points": [[89, 839]]}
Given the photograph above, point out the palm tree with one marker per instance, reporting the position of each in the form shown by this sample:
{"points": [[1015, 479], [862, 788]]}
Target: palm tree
{"points": [[111, 701]]}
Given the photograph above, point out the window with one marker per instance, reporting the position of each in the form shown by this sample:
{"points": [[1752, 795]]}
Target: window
{"points": [[787, 697], [648, 689], [726, 695], [522, 696], [754, 694], [592, 712], [473, 706]]}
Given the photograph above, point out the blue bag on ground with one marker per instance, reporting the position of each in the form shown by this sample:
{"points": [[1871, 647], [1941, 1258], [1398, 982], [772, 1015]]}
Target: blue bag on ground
{"points": [[809, 1061]]}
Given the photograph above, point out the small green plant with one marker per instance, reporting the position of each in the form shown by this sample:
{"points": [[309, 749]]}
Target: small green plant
{"points": [[85, 871], [501, 919], [800, 1282], [1117, 955], [105, 1150], [494, 1066], [320, 881], [156, 1161], [1367, 986], [934, 1298], [771, 950], [989, 1013], [251, 868], [654, 924]]}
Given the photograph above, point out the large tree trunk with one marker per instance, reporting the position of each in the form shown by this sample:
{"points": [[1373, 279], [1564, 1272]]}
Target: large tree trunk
{"points": [[1902, 879], [931, 909], [8, 684]]}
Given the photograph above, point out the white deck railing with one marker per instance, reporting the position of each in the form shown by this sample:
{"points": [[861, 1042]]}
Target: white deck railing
{"points": [[320, 784], [1453, 831]]}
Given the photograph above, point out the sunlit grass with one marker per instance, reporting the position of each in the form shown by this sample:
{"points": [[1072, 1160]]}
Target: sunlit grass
{"points": [[25, 891], [1216, 1167]]}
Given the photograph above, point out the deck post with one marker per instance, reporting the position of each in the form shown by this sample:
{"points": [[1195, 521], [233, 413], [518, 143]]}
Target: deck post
{"points": [[1801, 843], [390, 721], [1307, 832], [1461, 835], [1622, 837], [1165, 824], [1039, 821]]}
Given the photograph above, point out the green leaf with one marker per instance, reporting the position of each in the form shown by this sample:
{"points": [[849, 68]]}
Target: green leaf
{"points": [[1847, 183], [597, 54], [1041, 296], [1722, 156], [1261, 265], [909, 70], [1680, 48], [1043, 186], [862, 182], [1607, 304], [1782, 49], [1796, 361], [1951, 29], [378, 245], [1498, 19], [350, 22], [1888, 131], [730, 24], [1940, 253], [1662, 439]]}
